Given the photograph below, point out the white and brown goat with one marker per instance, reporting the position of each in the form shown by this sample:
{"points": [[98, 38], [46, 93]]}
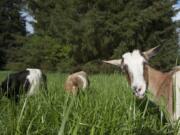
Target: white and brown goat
{"points": [[162, 86], [76, 81]]}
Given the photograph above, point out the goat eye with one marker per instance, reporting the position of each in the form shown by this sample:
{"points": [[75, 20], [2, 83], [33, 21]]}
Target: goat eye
{"points": [[145, 62], [124, 68]]}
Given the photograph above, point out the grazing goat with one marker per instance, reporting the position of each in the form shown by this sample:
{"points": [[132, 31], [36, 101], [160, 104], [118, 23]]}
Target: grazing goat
{"points": [[164, 88], [27, 81], [76, 81]]}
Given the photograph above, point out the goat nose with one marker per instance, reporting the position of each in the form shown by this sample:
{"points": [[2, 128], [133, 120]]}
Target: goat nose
{"points": [[138, 90], [135, 88]]}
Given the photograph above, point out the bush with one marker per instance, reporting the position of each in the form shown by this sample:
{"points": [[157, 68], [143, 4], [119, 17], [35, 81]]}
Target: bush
{"points": [[45, 52], [95, 67]]}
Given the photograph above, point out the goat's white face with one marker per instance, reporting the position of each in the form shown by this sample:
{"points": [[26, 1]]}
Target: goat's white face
{"points": [[133, 64]]}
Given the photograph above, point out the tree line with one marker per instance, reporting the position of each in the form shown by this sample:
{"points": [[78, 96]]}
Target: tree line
{"points": [[80, 33]]}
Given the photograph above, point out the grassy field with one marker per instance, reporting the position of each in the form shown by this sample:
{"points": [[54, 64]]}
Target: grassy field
{"points": [[106, 108]]}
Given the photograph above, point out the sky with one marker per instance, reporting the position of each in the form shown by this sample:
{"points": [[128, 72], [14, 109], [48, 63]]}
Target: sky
{"points": [[177, 16], [30, 19]]}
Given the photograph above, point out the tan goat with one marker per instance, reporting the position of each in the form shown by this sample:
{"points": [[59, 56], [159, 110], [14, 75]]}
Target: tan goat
{"points": [[164, 87], [76, 81]]}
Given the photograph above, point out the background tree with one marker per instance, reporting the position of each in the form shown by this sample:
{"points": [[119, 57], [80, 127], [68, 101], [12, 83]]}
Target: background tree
{"points": [[103, 28], [44, 52], [12, 30], [81, 32], [148, 25]]}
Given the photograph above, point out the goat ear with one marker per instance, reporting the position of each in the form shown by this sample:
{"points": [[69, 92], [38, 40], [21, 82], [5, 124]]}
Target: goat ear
{"points": [[114, 62], [151, 52]]}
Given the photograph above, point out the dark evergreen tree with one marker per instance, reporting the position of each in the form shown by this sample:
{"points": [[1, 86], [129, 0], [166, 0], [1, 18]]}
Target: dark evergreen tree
{"points": [[99, 29], [12, 29], [150, 24]]}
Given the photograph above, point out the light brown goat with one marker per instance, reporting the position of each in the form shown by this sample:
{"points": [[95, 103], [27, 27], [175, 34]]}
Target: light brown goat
{"points": [[76, 81], [164, 87]]}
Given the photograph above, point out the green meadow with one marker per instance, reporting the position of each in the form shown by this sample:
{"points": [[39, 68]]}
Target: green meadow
{"points": [[107, 107]]}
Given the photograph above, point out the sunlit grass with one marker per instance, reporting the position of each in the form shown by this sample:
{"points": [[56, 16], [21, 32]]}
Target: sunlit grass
{"points": [[106, 108]]}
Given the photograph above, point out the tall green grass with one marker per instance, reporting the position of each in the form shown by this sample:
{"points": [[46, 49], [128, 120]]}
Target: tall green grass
{"points": [[106, 108]]}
